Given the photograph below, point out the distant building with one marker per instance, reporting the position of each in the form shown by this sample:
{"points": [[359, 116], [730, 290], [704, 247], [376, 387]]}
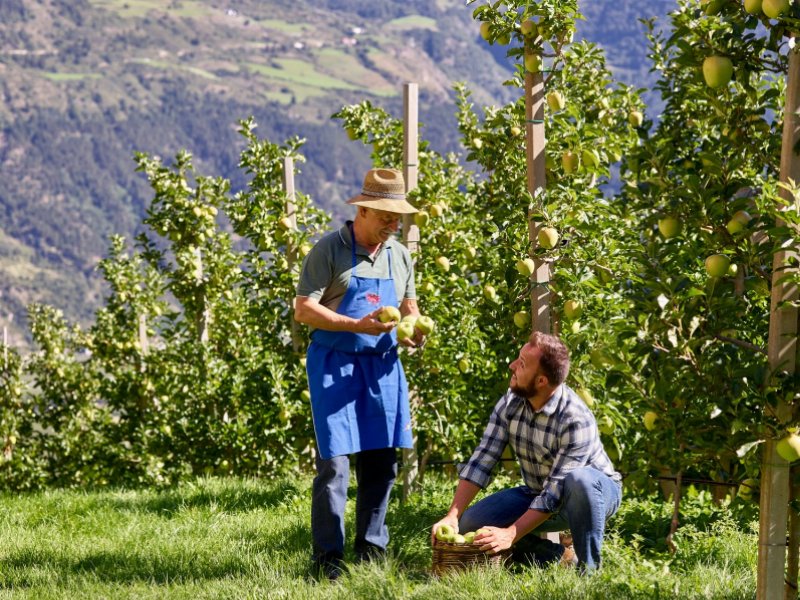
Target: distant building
{"points": [[231, 12], [356, 30], [349, 41], [298, 45]]}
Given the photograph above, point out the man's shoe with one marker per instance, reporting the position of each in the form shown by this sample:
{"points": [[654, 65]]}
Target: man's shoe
{"points": [[327, 569], [568, 558]]}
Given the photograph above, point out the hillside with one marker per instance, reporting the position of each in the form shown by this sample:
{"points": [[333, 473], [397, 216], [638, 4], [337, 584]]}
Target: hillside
{"points": [[86, 83]]}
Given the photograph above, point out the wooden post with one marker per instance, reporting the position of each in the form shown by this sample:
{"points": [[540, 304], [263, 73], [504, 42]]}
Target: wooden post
{"points": [[204, 316], [535, 160], [782, 354], [793, 551], [291, 250], [411, 240], [534, 154]]}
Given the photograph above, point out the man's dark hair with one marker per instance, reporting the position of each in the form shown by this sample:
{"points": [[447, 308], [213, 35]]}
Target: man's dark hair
{"points": [[554, 361]]}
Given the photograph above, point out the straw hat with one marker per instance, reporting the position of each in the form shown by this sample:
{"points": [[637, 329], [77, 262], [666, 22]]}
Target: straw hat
{"points": [[384, 189]]}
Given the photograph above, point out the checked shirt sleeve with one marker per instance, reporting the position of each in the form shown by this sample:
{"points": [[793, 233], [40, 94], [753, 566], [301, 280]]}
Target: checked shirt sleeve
{"points": [[575, 445], [478, 469]]}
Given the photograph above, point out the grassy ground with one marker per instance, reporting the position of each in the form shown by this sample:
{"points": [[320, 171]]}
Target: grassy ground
{"points": [[250, 539]]}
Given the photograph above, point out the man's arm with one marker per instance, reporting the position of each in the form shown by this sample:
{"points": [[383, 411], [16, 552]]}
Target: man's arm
{"points": [[465, 492], [310, 312]]}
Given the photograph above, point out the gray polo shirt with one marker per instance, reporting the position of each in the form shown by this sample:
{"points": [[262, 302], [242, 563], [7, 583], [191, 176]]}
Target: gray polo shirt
{"points": [[326, 270]]}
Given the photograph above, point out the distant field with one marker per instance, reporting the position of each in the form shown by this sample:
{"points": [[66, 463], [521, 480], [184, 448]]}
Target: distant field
{"points": [[139, 8], [284, 26], [347, 67], [413, 22], [160, 64]]}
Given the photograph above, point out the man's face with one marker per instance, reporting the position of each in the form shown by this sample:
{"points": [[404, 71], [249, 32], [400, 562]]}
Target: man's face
{"points": [[525, 371], [381, 224]]}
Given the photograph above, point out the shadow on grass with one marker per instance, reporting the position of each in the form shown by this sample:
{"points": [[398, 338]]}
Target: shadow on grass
{"points": [[228, 498], [23, 568]]}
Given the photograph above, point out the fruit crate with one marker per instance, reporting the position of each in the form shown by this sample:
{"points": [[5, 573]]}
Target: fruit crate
{"points": [[449, 556]]}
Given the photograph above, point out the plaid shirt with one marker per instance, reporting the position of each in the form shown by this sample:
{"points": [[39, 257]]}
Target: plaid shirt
{"points": [[550, 443]]}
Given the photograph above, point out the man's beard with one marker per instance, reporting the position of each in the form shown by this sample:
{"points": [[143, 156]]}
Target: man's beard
{"points": [[528, 391]]}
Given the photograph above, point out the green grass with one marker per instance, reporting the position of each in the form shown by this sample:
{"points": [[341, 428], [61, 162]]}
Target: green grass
{"points": [[69, 76], [140, 8], [413, 22], [230, 538]]}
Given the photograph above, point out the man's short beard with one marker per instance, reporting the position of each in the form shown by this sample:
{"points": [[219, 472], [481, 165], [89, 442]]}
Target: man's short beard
{"points": [[525, 392]]}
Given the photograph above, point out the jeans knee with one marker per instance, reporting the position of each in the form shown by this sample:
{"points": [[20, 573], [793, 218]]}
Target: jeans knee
{"points": [[580, 484]]}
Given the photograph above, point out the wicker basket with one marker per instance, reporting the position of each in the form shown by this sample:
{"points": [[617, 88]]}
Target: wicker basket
{"points": [[447, 557]]}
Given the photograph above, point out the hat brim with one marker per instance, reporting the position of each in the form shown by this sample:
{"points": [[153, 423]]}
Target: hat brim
{"points": [[387, 204]]}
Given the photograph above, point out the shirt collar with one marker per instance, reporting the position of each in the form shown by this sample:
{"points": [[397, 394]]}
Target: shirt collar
{"points": [[550, 406], [347, 240]]}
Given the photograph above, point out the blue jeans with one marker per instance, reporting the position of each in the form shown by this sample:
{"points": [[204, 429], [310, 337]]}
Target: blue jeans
{"points": [[376, 471], [589, 498]]}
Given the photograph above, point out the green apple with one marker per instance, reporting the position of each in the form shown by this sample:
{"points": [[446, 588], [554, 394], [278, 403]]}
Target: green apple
{"points": [[425, 324], [752, 7], [606, 425], [555, 100], [649, 420], [547, 237], [421, 218], [389, 313], [469, 537], [529, 28], [526, 267], [774, 8], [575, 327], [486, 31], [669, 226], [351, 133], [569, 160], [572, 309], [481, 531], [712, 7], [443, 263], [522, 319], [459, 539], [463, 365], [789, 447], [490, 293], [515, 131], [591, 158], [717, 265], [305, 395], [428, 287], [717, 71], [733, 270], [471, 252], [586, 396], [747, 488], [636, 118], [445, 532], [533, 63], [437, 209], [410, 319], [477, 142], [405, 331], [738, 222]]}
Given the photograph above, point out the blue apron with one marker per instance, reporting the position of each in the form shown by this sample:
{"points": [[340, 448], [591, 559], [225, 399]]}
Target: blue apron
{"points": [[359, 394]]}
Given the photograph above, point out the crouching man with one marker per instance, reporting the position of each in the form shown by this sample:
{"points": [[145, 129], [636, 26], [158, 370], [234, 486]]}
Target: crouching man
{"points": [[569, 481]]}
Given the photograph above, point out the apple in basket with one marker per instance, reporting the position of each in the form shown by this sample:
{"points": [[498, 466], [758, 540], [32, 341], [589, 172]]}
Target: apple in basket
{"points": [[445, 533]]}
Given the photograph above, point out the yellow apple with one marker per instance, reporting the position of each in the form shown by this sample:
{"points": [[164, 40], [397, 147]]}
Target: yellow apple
{"points": [[586, 396], [351, 133], [548, 237], [747, 488], [486, 31], [444, 533], [515, 131], [459, 539], [410, 319], [421, 218], [717, 265], [669, 226], [425, 324], [572, 309], [522, 319], [471, 252], [774, 8], [738, 222], [533, 63], [469, 537], [752, 7], [717, 71], [606, 425], [405, 331], [635, 118], [789, 447], [463, 365], [389, 313], [529, 28], [437, 209], [649, 419], [591, 158], [443, 263], [526, 267], [555, 101], [569, 160], [490, 293], [477, 142]]}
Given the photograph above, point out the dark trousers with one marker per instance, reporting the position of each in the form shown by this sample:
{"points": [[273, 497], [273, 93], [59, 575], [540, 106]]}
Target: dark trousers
{"points": [[376, 471]]}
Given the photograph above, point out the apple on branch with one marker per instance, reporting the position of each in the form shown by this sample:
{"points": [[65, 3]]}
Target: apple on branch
{"points": [[669, 227], [774, 8], [717, 71], [526, 267], [717, 265], [547, 237]]}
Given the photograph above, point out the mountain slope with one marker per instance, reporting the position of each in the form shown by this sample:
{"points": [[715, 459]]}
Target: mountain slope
{"points": [[86, 83]]}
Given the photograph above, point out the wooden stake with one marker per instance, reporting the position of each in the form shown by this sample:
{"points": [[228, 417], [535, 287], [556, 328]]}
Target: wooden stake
{"points": [[782, 358], [411, 240], [291, 250], [535, 158]]}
